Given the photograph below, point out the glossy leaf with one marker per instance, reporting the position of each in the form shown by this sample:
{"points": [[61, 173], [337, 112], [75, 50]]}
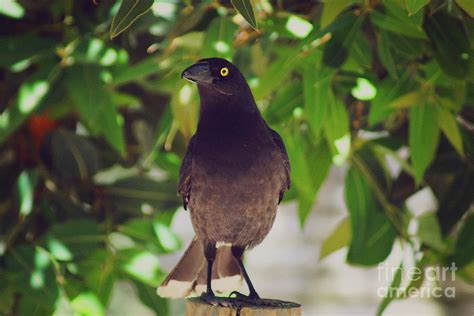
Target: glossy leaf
{"points": [[218, 38], [310, 164], [78, 236], [87, 304], [331, 9], [100, 273], [316, 87], [467, 6], [140, 194], [388, 91], [396, 20], [429, 231], [129, 11], [20, 48], [31, 93], [143, 266], [287, 99], [25, 186], [336, 129], [386, 56], [245, 8], [166, 237], [464, 248], [89, 93], [447, 123], [396, 281], [36, 279], [72, 157], [423, 138], [147, 295], [339, 238], [450, 43], [407, 100], [413, 6], [372, 232]]}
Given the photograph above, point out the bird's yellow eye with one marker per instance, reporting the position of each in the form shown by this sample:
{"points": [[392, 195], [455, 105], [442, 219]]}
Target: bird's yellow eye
{"points": [[224, 71]]}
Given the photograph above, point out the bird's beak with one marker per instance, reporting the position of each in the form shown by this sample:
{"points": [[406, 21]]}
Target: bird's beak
{"points": [[199, 72]]}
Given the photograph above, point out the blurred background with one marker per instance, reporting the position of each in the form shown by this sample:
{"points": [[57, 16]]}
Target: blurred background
{"points": [[374, 100]]}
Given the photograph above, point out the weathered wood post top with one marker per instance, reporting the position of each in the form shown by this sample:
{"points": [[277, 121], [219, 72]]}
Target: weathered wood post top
{"points": [[196, 307]]}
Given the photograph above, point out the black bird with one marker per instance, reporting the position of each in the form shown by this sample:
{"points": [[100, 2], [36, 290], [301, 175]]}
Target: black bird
{"points": [[232, 179]]}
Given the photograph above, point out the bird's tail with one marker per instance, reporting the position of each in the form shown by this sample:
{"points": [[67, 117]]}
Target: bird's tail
{"points": [[189, 276]]}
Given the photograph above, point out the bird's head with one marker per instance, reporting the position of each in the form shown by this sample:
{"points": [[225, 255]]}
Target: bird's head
{"points": [[216, 75]]}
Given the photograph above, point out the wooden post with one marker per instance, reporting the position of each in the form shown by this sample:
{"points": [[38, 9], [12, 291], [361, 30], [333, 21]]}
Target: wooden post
{"points": [[196, 307]]}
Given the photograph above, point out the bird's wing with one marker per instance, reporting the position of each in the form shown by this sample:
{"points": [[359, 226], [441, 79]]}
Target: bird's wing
{"points": [[184, 186], [279, 142]]}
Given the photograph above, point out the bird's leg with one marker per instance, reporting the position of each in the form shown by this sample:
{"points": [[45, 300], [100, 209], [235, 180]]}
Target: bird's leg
{"points": [[253, 297], [210, 254], [209, 297]]}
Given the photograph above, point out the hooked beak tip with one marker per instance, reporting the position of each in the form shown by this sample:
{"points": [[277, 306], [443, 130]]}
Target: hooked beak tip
{"points": [[199, 72]]}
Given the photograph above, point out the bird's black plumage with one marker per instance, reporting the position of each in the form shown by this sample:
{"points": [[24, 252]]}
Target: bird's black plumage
{"points": [[236, 168]]}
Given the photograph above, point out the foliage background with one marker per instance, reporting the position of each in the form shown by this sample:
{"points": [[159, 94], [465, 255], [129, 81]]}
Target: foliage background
{"points": [[92, 131]]}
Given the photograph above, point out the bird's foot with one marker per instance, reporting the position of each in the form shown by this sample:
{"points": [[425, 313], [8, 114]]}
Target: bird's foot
{"points": [[255, 301], [213, 300], [251, 299]]}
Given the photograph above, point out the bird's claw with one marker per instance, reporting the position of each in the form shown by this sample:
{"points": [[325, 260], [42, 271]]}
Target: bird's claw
{"points": [[213, 300], [252, 298]]}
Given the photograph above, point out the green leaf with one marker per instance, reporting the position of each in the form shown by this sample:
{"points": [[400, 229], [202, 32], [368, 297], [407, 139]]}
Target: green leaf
{"points": [[218, 38], [136, 71], [141, 194], [386, 56], [87, 303], [94, 50], [387, 91], [140, 230], [464, 248], [316, 88], [77, 236], [168, 240], [89, 93], [337, 49], [244, 7], [34, 278], [286, 100], [396, 19], [25, 186], [429, 231], [407, 100], [184, 104], [99, 273], [147, 295], [12, 9], [298, 27], [20, 48], [73, 157], [392, 290], [129, 11], [364, 90], [141, 265], [372, 232], [332, 9], [339, 238], [336, 129], [466, 5], [413, 6], [31, 94], [423, 138], [277, 73], [450, 43], [447, 123], [310, 165]]}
